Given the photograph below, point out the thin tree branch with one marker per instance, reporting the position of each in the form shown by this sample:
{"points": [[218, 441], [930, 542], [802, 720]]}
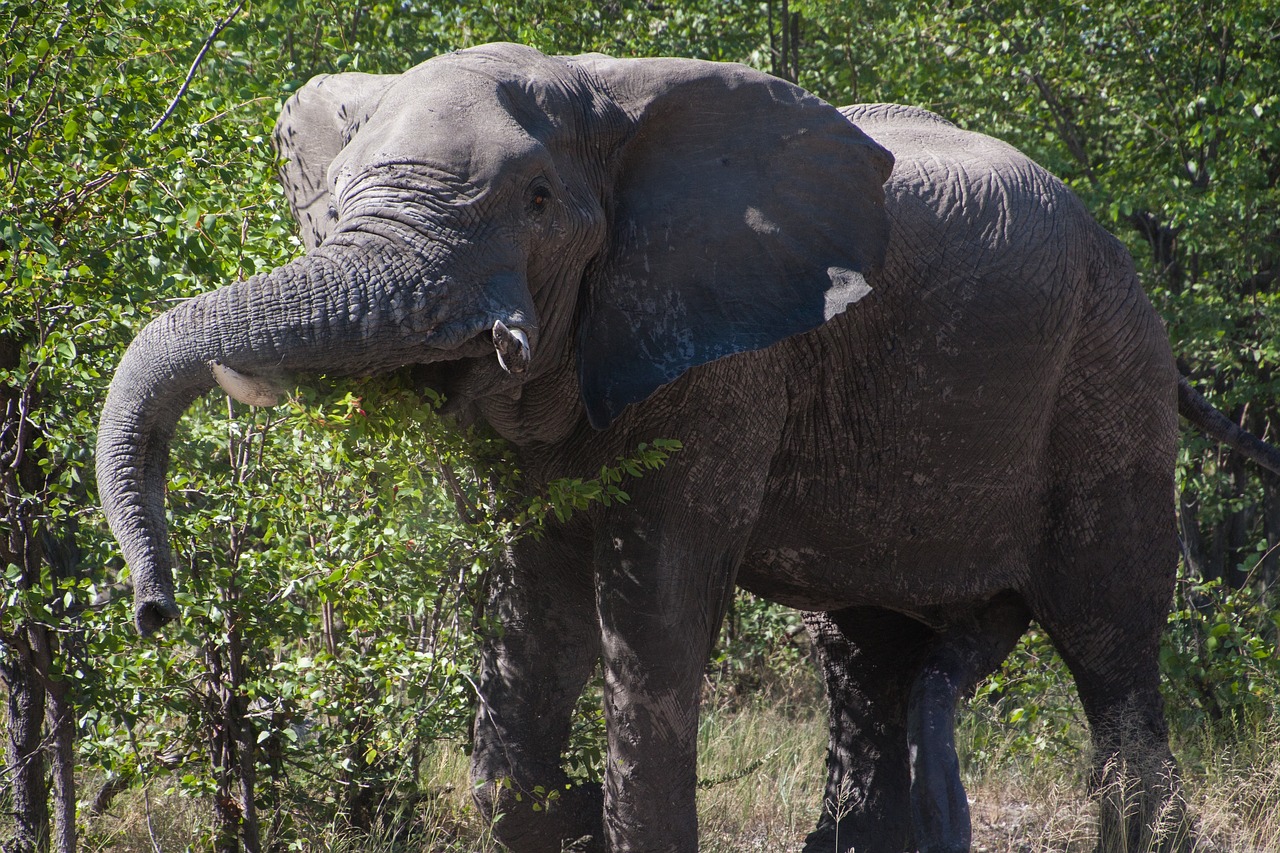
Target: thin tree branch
{"points": [[191, 73], [1068, 131], [460, 503]]}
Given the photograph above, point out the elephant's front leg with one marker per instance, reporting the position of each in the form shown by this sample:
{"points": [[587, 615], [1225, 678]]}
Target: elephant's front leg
{"points": [[965, 653], [661, 596], [533, 668]]}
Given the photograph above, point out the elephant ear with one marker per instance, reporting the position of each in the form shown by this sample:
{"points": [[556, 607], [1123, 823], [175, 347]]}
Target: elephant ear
{"points": [[744, 211], [316, 123]]}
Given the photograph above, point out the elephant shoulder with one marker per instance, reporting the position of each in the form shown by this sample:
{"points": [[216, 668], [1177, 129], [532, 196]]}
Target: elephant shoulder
{"points": [[956, 170], [966, 194], [892, 114], [917, 136]]}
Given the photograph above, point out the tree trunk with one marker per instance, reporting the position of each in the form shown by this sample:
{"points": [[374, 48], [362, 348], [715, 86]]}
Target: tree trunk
{"points": [[1269, 571], [55, 709], [1238, 524], [773, 42], [784, 48], [25, 649], [1265, 573], [226, 811], [232, 750], [246, 746], [60, 713], [24, 754], [793, 41], [62, 558]]}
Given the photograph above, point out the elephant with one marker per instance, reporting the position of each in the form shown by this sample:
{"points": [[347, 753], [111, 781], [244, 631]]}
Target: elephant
{"points": [[920, 392]]}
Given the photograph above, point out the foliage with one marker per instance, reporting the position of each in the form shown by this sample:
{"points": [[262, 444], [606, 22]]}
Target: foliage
{"points": [[761, 647], [326, 574], [1025, 710], [1220, 656], [88, 208], [343, 591]]}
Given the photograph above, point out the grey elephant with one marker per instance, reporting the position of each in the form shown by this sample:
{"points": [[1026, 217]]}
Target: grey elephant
{"points": [[930, 409]]}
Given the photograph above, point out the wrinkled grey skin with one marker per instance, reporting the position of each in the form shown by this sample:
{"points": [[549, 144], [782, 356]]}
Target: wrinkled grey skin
{"points": [[676, 249]]}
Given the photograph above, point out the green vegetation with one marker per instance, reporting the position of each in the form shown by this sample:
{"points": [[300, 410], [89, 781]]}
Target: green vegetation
{"points": [[317, 693]]}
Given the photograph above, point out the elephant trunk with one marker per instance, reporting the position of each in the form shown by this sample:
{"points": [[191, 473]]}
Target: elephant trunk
{"points": [[340, 310]]}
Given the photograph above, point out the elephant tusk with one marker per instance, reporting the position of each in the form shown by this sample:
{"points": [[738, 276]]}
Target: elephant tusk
{"points": [[250, 390], [513, 348]]}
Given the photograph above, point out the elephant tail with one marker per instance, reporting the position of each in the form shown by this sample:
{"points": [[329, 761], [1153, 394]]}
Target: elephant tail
{"points": [[1201, 413]]}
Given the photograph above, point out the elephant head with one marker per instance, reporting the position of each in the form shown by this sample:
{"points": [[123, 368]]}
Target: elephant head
{"points": [[613, 223]]}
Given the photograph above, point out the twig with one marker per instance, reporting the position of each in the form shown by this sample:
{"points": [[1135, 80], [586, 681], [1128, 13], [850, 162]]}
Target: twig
{"points": [[741, 773], [1248, 580], [460, 503], [229, 110], [146, 790], [191, 73]]}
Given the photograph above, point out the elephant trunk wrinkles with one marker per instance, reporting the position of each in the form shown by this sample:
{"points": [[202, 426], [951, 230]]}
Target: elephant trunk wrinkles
{"points": [[338, 310]]}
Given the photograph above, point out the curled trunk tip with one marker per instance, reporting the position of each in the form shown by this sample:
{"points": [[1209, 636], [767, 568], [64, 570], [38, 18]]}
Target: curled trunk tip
{"points": [[152, 614]]}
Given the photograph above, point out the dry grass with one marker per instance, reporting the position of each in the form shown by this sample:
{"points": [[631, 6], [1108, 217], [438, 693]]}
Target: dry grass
{"points": [[144, 820], [1234, 791], [761, 768], [1025, 806], [1019, 803], [761, 764]]}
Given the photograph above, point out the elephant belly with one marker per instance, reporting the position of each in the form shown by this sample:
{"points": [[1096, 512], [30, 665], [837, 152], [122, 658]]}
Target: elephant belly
{"points": [[934, 501], [965, 555]]}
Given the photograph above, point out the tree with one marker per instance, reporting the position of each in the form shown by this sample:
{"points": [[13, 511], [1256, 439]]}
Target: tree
{"points": [[65, 170], [86, 187]]}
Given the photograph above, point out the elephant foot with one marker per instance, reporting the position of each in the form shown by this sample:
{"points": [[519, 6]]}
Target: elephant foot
{"points": [[1143, 813], [847, 837], [569, 820]]}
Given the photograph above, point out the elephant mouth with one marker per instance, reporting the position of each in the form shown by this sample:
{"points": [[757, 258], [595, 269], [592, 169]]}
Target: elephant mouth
{"points": [[479, 345], [510, 345]]}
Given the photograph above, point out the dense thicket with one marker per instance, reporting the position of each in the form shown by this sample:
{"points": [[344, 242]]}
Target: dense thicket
{"points": [[331, 584]]}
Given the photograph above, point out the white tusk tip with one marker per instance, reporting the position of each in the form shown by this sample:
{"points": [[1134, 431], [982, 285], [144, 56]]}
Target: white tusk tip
{"points": [[512, 346]]}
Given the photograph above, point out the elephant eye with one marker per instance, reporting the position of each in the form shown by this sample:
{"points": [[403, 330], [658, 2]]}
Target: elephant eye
{"points": [[539, 198]]}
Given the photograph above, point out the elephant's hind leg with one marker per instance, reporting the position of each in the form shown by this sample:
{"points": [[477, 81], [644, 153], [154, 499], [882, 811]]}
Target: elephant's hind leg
{"points": [[1108, 632], [1134, 775], [1105, 582]]}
